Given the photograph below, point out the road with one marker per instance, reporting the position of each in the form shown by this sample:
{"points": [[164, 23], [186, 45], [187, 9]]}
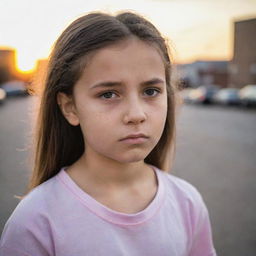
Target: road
{"points": [[215, 152]]}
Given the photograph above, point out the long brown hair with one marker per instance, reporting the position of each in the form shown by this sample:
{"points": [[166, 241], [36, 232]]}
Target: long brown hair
{"points": [[60, 144]]}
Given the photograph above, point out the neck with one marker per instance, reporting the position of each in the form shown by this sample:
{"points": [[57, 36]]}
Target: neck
{"points": [[107, 172]]}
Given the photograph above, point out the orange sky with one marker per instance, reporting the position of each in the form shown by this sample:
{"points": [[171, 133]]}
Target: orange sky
{"points": [[197, 29]]}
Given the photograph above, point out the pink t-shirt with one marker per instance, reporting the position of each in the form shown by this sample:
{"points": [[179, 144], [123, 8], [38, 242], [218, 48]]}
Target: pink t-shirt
{"points": [[59, 218]]}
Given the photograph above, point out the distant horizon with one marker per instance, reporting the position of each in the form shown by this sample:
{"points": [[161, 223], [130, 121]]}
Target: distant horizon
{"points": [[195, 29], [2, 48]]}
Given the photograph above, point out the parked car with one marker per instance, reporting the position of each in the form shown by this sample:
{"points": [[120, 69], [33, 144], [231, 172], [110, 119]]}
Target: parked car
{"points": [[248, 95], [227, 96], [2, 95], [15, 88], [203, 94]]}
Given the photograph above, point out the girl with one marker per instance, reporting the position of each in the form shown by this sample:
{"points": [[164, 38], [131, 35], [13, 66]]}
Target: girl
{"points": [[106, 125]]}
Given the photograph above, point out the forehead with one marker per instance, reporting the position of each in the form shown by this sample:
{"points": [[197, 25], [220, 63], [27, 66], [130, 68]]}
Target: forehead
{"points": [[120, 60]]}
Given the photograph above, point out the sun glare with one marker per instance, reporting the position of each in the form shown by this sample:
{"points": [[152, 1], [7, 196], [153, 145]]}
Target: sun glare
{"points": [[24, 64], [25, 67]]}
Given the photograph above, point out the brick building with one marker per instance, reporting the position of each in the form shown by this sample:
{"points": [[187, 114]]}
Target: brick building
{"points": [[7, 65], [242, 67]]}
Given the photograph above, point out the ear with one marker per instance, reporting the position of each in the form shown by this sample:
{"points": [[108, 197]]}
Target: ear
{"points": [[68, 108]]}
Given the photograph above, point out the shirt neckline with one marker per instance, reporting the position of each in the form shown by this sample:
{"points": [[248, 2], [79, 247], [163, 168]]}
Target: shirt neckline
{"points": [[111, 215]]}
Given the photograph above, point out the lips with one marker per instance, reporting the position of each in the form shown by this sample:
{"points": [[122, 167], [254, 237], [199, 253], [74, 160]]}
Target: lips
{"points": [[135, 136]]}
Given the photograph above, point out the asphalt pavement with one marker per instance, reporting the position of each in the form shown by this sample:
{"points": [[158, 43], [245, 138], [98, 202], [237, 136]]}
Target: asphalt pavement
{"points": [[215, 152]]}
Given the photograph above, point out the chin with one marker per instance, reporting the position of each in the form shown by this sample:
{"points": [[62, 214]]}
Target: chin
{"points": [[132, 158]]}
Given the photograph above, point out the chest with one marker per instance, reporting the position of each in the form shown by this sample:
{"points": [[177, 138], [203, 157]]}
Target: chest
{"points": [[159, 236], [127, 202]]}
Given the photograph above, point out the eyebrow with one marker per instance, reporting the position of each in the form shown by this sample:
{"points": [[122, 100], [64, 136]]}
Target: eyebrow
{"points": [[118, 84]]}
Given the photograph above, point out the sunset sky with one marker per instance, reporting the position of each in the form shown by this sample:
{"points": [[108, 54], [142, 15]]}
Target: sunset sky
{"points": [[197, 29]]}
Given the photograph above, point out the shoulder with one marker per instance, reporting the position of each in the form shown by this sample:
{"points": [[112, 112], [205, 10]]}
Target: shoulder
{"points": [[36, 200], [187, 200], [185, 197], [180, 187], [29, 220], [190, 206]]}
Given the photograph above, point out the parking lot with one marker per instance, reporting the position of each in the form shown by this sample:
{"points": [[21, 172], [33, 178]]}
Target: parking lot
{"points": [[215, 152]]}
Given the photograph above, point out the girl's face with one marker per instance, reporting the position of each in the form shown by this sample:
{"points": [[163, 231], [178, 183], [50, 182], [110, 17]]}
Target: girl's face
{"points": [[122, 92]]}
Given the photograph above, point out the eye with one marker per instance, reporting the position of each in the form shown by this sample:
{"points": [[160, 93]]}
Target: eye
{"points": [[152, 91], [107, 95]]}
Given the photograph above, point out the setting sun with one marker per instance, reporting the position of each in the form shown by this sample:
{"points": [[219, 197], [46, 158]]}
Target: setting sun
{"points": [[194, 32], [24, 64]]}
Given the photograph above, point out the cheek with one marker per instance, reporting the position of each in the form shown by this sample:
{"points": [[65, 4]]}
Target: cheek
{"points": [[159, 111], [158, 117], [96, 126]]}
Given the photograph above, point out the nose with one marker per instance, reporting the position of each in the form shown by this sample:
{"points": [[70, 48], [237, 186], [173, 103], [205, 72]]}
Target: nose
{"points": [[134, 111]]}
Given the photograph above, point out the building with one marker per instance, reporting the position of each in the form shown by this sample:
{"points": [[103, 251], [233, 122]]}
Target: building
{"points": [[7, 65], [39, 76], [203, 73], [242, 67]]}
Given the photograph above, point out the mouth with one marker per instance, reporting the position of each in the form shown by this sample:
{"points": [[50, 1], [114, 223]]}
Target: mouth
{"points": [[135, 138]]}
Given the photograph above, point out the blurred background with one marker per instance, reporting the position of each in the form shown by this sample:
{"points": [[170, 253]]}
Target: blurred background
{"points": [[213, 45]]}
